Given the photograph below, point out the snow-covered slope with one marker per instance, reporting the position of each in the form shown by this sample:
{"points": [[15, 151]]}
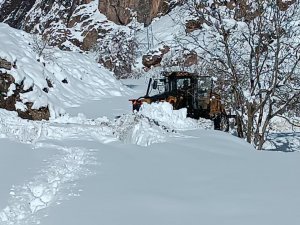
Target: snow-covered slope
{"points": [[75, 77]]}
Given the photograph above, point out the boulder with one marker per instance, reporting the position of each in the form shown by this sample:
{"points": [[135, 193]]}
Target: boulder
{"points": [[192, 25], [6, 102], [119, 11], [90, 39], [151, 60], [9, 102], [190, 59], [154, 58], [4, 64], [34, 114]]}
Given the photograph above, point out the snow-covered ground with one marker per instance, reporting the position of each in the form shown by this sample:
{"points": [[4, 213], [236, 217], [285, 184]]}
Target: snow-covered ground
{"points": [[75, 170]]}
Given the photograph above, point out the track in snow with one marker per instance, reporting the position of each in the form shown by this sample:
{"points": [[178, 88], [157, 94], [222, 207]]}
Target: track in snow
{"points": [[45, 189], [57, 180]]}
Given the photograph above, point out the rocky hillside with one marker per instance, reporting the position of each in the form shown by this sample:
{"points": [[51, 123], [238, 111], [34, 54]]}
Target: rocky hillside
{"points": [[81, 24], [78, 22], [126, 36], [41, 85], [121, 11], [107, 27], [67, 24], [35, 79]]}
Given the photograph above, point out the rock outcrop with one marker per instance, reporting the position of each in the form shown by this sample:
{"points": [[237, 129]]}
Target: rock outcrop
{"points": [[242, 10], [151, 60], [4, 64], [121, 11], [192, 25], [60, 22], [78, 25], [166, 56], [63, 22], [13, 12], [154, 58], [10, 93]]}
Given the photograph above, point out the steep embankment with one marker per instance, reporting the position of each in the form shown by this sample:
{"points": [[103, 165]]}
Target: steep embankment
{"points": [[41, 84]]}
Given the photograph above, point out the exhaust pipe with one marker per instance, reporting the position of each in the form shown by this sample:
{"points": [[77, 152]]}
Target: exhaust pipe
{"points": [[148, 89]]}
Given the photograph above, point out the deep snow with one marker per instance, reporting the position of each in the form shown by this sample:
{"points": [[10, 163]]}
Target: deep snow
{"points": [[189, 181], [75, 170]]}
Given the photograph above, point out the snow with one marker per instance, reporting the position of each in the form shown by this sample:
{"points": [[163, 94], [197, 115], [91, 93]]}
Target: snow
{"points": [[164, 114], [193, 179], [140, 168], [85, 78], [101, 163]]}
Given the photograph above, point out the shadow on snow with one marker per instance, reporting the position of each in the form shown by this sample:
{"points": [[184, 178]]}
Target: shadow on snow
{"points": [[284, 142]]}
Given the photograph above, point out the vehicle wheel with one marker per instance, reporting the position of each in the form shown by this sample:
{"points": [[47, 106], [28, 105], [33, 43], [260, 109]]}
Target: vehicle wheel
{"points": [[224, 123], [221, 122]]}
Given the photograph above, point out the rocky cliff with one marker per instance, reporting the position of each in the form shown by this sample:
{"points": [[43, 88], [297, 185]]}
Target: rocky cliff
{"points": [[39, 16], [16, 12], [121, 11], [65, 22]]}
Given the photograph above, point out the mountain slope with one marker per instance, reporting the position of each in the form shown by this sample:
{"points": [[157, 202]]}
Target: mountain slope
{"points": [[56, 79]]}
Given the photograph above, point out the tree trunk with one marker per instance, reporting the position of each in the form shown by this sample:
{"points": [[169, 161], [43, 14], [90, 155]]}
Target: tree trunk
{"points": [[239, 125], [250, 127]]}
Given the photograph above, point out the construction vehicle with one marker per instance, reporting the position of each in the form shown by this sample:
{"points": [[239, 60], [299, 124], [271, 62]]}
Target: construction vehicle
{"points": [[187, 90]]}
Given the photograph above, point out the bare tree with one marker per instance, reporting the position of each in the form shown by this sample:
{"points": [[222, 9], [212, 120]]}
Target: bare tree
{"points": [[42, 46], [38, 44], [253, 47]]}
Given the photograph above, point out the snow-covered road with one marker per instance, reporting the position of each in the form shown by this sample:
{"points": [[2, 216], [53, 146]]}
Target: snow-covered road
{"points": [[53, 181], [75, 170]]}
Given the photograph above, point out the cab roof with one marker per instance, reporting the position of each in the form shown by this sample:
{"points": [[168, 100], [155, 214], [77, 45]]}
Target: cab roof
{"points": [[181, 74], [178, 74]]}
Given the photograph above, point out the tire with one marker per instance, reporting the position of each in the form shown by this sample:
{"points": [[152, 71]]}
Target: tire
{"points": [[221, 122]]}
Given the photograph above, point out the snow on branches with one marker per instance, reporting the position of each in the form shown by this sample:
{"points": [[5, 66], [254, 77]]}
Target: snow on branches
{"points": [[253, 47]]}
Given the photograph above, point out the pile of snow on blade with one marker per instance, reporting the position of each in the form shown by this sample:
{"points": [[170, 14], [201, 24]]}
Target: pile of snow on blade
{"points": [[140, 130], [154, 123], [163, 113]]}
